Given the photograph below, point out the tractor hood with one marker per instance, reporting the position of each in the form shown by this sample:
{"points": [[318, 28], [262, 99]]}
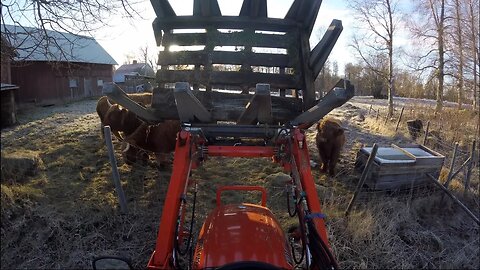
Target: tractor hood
{"points": [[242, 234]]}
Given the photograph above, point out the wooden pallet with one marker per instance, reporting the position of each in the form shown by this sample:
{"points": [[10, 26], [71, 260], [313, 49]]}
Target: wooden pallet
{"points": [[247, 53]]}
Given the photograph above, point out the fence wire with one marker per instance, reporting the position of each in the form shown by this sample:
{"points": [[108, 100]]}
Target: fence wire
{"points": [[405, 194]]}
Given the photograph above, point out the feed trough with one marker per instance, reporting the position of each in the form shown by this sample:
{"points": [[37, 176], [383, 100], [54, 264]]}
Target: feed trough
{"points": [[398, 167]]}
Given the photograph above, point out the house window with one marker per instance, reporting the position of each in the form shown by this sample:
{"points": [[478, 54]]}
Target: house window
{"points": [[73, 83], [99, 82]]}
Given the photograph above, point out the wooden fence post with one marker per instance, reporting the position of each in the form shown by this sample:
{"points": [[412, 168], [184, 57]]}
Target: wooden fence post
{"points": [[469, 169], [452, 164], [365, 173], [426, 133], [467, 162], [116, 175], [399, 119], [450, 172]]}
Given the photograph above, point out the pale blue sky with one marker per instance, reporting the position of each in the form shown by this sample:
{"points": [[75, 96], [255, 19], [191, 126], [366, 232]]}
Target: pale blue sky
{"points": [[127, 37]]}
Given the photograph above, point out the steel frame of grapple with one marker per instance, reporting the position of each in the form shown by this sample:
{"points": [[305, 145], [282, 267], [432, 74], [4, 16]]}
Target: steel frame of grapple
{"points": [[191, 149]]}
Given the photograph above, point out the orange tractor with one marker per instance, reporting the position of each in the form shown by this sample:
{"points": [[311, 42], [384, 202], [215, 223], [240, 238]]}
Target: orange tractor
{"points": [[236, 100], [243, 236]]}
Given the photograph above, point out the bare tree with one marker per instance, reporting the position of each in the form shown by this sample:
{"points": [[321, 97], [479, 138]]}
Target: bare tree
{"points": [[378, 20], [367, 81], [429, 31], [327, 77], [144, 54], [149, 57], [38, 20], [472, 38], [458, 52]]}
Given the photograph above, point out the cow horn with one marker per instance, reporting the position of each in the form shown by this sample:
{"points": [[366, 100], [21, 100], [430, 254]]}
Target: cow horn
{"points": [[126, 148]]}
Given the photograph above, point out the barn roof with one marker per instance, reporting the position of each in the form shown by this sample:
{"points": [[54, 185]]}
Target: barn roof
{"points": [[141, 69], [33, 44]]}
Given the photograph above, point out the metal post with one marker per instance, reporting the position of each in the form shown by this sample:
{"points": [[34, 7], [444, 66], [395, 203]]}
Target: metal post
{"points": [[399, 119], [365, 173], [434, 180], [116, 175], [469, 169], [426, 133], [376, 118], [369, 110]]}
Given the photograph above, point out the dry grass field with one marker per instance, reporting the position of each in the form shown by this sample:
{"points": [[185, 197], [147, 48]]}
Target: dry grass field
{"points": [[65, 212]]}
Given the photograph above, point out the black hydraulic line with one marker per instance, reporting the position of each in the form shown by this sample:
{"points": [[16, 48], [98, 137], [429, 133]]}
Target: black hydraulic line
{"points": [[290, 212], [321, 254], [179, 252], [299, 211], [306, 239], [299, 261], [177, 264], [303, 234]]}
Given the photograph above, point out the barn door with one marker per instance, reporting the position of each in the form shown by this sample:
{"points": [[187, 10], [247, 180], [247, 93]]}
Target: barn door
{"points": [[88, 87]]}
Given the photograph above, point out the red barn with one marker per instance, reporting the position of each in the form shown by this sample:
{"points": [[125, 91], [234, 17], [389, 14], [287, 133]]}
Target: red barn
{"points": [[54, 67]]}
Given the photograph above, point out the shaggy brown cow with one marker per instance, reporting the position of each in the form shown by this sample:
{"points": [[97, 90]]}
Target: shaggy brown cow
{"points": [[104, 104], [160, 138], [121, 120], [330, 140], [415, 128]]}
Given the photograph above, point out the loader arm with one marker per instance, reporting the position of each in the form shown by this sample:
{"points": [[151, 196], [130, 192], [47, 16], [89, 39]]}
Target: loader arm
{"points": [[290, 151]]}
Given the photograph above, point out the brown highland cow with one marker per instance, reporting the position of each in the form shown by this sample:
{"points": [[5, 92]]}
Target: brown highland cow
{"points": [[330, 140], [160, 138]]}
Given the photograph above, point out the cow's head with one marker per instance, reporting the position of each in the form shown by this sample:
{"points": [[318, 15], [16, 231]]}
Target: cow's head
{"points": [[121, 119], [329, 131]]}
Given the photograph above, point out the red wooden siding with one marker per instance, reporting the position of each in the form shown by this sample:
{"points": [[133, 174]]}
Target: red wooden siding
{"points": [[43, 82]]}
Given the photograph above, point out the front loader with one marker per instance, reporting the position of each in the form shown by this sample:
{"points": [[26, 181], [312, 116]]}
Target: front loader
{"points": [[248, 92]]}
